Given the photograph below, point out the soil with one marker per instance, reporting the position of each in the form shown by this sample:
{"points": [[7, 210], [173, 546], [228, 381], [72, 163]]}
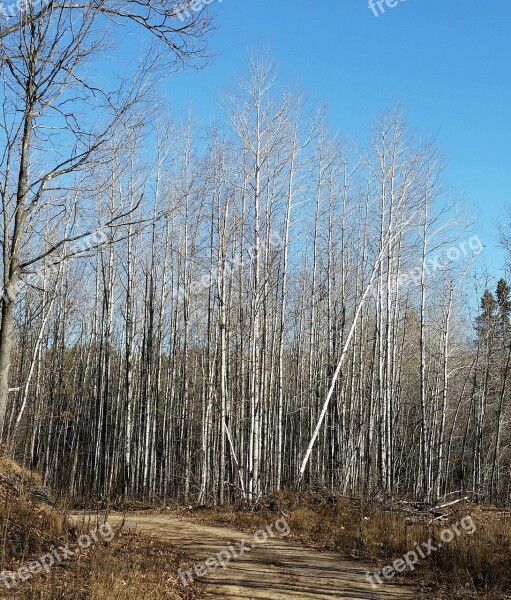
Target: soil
{"points": [[271, 570]]}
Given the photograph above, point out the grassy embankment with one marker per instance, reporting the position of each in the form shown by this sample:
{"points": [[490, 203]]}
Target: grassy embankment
{"points": [[128, 567]]}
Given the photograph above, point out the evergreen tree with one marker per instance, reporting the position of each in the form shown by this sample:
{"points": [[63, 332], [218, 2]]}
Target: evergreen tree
{"points": [[488, 319], [503, 310]]}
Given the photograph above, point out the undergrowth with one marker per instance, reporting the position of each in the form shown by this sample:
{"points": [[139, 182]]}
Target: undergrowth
{"points": [[476, 565]]}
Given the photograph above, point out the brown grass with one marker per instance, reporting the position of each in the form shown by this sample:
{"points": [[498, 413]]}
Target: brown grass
{"points": [[134, 567], [470, 566], [26, 527], [131, 567]]}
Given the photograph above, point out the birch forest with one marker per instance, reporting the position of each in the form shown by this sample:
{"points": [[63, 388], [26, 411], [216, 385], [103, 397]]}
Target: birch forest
{"points": [[213, 312]]}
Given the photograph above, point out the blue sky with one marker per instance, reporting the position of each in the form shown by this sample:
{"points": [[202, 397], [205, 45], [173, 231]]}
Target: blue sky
{"points": [[447, 62]]}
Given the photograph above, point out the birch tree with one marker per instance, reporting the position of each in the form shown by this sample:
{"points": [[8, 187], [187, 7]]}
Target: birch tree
{"points": [[47, 137]]}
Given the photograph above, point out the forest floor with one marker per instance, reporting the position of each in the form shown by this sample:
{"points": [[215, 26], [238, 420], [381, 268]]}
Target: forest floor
{"points": [[45, 556], [332, 543], [271, 570], [465, 548], [300, 547]]}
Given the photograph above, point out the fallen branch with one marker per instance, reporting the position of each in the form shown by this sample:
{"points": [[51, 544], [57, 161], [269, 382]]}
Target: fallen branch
{"points": [[452, 503]]}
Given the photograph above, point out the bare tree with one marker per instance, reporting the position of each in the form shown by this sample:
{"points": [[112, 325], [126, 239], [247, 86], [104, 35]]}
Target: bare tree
{"points": [[47, 136]]}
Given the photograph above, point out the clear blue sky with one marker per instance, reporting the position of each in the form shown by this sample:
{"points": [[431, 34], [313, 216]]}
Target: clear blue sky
{"points": [[447, 62]]}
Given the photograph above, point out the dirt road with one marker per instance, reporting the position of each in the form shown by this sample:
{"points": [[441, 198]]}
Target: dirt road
{"points": [[272, 570]]}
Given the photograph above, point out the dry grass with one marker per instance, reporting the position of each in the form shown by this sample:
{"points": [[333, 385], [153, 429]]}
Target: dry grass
{"points": [[470, 566], [131, 567], [134, 567], [26, 526]]}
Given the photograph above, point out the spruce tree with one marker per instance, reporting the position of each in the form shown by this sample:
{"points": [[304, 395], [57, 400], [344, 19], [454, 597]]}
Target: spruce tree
{"points": [[487, 320], [503, 310]]}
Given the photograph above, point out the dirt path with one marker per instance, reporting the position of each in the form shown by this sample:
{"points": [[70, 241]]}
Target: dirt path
{"points": [[272, 570]]}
